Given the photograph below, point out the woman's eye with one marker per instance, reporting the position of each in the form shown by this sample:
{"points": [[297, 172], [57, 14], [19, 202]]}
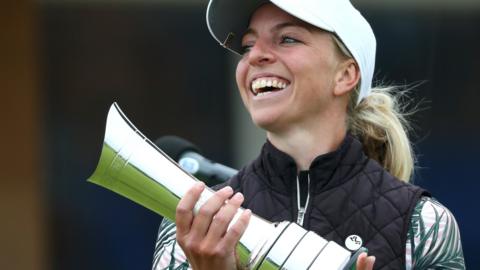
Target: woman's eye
{"points": [[288, 40], [246, 48]]}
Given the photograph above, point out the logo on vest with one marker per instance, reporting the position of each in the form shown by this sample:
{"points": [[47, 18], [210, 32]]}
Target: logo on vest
{"points": [[353, 242]]}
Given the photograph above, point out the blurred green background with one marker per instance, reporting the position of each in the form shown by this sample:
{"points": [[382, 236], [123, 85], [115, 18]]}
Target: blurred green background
{"points": [[62, 64]]}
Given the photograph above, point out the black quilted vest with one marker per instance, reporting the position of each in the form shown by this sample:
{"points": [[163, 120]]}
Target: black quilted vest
{"points": [[350, 194]]}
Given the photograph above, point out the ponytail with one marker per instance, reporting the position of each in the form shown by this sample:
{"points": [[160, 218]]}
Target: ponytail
{"points": [[379, 122]]}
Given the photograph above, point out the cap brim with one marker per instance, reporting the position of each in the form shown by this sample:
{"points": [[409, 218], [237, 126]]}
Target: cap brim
{"points": [[227, 20]]}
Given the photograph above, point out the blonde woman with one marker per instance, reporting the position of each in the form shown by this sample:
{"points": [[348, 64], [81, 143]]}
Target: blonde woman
{"points": [[337, 160]]}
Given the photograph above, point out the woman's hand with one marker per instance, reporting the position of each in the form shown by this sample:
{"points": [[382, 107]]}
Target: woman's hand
{"points": [[204, 237], [365, 262]]}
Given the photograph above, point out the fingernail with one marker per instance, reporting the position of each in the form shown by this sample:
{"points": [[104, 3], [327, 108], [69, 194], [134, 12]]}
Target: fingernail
{"points": [[248, 212], [238, 196], [199, 185], [227, 189]]}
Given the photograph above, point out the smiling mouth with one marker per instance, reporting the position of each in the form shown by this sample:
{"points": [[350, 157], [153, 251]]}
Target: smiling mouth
{"points": [[263, 86]]}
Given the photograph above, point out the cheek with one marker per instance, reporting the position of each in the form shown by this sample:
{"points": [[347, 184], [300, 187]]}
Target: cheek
{"points": [[240, 76], [315, 74]]}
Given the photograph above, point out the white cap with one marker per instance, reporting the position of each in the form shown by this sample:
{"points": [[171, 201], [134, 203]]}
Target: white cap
{"points": [[228, 19]]}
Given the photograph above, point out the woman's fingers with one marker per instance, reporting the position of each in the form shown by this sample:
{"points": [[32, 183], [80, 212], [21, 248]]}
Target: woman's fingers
{"points": [[236, 231], [204, 217], [223, 217], [370, 262], [184, 211], [206, 238], [208, 234], [365, 262], [361, 261]]}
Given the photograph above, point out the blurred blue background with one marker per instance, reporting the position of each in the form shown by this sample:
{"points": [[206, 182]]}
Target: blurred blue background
{"points": [[65, 62]]}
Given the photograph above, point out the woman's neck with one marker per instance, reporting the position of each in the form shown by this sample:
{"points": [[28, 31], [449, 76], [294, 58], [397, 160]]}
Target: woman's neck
{"points": [[305, 144]]}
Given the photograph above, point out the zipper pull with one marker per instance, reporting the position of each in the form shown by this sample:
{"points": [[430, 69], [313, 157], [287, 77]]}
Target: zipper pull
{"points": [[302, 208], [301, 215]]}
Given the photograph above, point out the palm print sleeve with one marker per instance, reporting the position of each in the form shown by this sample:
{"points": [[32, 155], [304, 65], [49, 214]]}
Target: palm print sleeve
{"points": [[433, 240], [168, 255]]}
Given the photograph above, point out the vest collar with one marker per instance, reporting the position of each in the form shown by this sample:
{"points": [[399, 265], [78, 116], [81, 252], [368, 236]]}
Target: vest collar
{"points": [[281, 170]]}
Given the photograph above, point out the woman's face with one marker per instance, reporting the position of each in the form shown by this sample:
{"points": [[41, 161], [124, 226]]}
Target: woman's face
{"points": [[287, 73]]}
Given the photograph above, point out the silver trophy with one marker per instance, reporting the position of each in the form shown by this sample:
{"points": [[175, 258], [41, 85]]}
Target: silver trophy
{"points": [[131, 165]]}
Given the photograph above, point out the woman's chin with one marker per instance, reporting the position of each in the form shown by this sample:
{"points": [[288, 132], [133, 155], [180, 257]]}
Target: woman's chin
{"points": [[267, 122]]}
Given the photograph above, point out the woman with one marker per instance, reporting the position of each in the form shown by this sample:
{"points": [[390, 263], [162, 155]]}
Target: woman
{"points": [[337, 160]]}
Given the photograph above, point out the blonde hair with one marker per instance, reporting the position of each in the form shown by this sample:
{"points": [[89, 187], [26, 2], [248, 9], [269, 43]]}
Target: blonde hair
{"points": [[379, 121]]}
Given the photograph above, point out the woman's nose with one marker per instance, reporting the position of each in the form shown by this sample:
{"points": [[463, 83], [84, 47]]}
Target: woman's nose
{"points": [[260, 54]]}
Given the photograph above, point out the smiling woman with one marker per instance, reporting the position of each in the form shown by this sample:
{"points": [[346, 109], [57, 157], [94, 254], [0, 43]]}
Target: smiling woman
{"points": [[337, 160], [278, 46]]}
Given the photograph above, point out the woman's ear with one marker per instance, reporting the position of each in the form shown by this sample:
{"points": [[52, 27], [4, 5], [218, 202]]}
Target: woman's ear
{"points": [[347, 77]]}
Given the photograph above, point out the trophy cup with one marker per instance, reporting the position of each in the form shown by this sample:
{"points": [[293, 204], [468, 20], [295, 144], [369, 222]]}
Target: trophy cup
{"points": [[131, 165]]}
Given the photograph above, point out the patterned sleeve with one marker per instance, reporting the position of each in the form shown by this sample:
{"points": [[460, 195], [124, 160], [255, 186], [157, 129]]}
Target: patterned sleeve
{"points": [[168, 255], [433, 239]]}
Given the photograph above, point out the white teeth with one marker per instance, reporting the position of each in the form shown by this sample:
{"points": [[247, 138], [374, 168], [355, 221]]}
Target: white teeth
{"points": [[261, 83]]}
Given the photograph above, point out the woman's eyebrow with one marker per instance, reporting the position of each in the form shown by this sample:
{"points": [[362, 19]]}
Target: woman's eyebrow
{"points": [[249, 31], [279, 27]]}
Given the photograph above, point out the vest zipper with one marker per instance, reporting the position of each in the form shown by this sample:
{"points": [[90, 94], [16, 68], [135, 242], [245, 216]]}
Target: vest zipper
{"points": [[302, 209]]}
